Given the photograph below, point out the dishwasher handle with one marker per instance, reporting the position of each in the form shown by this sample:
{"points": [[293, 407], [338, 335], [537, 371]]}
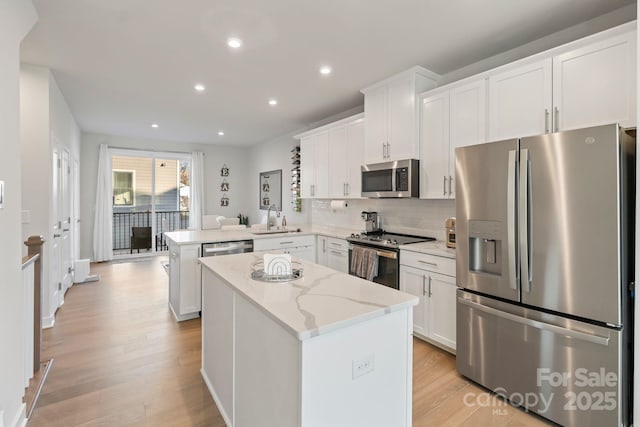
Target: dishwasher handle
{"points": [[227, 247]]}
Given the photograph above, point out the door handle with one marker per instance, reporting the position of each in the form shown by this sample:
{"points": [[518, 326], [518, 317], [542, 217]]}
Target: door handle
{"points": [[595, 339], [511, 221], [525, 217]]}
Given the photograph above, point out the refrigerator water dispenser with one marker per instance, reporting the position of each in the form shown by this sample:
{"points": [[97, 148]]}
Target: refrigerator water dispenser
{"points": [[485, 247]]}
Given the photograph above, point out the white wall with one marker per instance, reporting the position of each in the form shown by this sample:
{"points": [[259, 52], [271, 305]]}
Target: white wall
{"points": [[236, 159], [16, 18], [269, 156], [46, 123]]}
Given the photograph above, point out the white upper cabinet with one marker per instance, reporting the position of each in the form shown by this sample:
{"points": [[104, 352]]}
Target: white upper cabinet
{"points": [[330, 159], [596, 84], [586, 83], [314, 161], [520, 101], [307, 168], [355, 144], [391, 110], [451, 117]]}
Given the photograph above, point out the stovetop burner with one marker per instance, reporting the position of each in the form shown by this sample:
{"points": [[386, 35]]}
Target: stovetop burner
{"points": [[388, 240]]}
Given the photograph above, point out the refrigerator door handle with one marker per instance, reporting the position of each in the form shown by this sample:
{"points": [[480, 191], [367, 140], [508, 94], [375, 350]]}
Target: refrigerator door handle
{"points": [[511, 221], [523, 220], [595, 339]]}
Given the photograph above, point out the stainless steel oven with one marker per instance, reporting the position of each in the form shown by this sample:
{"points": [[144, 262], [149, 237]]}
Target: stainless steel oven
{"points": [[387, 250], [388, 266]]}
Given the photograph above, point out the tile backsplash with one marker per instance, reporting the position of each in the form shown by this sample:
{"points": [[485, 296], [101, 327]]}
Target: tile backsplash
{"points": [[408, 216]]}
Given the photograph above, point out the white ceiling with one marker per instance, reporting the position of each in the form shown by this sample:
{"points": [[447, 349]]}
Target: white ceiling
{"points": [[124, 64]]}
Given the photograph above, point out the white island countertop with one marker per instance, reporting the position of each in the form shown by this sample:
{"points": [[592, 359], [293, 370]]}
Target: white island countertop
{"points": [[323, 300]]}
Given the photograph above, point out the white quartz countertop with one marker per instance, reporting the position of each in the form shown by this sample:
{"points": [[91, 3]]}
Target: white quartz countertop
{"points": [[185, 237], [437, 247], [323, 300]]}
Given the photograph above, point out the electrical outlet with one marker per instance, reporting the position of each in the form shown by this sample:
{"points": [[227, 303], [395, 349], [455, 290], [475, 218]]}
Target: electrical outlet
{"points": [[362, 366]]}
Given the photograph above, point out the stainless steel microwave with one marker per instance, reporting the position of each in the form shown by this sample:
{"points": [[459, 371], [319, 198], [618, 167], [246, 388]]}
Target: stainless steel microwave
{"points": [[391, 179]]}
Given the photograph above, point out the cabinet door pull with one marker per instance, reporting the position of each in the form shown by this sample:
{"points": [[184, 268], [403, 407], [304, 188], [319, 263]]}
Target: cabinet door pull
{"points": [[347, 193], [435, 264], [444, 185], [424, 291], [429, 286], [286, 243], [546, 120], [556, 119], [450, 181], [388, 150], [324, 245], [337, 253], [384, 150]]}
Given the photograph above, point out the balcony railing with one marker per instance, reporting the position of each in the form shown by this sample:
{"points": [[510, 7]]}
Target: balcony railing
{"points": [[165, 221]]}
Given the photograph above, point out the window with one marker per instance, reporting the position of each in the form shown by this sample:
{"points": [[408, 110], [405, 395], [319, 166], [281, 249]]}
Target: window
{"points": [[123, 188]]}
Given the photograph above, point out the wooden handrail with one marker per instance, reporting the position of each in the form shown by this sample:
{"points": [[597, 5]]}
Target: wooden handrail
{"points": [[27, 260], [34, 252]]}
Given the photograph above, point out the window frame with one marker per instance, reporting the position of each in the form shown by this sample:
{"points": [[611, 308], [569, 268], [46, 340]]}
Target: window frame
{"points": [[133, 187]]}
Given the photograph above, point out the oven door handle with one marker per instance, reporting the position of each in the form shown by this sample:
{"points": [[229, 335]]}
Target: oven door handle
{"points": [[383, 254]]}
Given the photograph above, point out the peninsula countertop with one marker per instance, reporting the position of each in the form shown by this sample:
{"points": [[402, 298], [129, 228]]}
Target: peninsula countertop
{"points": [[186, 237], [323, 300]]}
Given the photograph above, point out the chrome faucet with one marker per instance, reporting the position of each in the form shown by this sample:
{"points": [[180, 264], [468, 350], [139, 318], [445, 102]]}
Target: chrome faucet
{"points": [[269, 216]]}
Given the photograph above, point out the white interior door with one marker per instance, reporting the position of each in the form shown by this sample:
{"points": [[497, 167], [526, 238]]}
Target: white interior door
{"points": [[55, 278], [65, 219]]}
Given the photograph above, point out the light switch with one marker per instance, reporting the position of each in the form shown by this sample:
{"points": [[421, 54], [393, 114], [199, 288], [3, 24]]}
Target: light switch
{"points": [[26, 217]]}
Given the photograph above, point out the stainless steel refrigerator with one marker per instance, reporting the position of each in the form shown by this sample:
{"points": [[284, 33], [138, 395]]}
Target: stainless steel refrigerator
{"points": [[545, 230]]}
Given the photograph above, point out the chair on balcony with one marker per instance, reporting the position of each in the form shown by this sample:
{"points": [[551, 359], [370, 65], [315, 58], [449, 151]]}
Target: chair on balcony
{"points": [[140, 238]]}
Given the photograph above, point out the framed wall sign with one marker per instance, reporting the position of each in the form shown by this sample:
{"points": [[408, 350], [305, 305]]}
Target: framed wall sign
{"points": [[270, 189]]}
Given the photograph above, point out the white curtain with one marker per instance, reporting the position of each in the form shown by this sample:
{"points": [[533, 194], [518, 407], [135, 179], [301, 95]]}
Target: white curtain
{"points": [[102, 225], [196, 200]]}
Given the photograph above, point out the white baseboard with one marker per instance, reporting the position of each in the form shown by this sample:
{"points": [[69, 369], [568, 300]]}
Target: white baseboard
{"points": [[183, 317], [225, 417], [48, 321], [20, 419]]}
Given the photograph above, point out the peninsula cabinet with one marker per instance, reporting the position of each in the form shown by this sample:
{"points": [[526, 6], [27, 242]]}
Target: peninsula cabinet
{"points": [[450, 117], [330, 159], [432, 279], [184, 281], [391, 111], [586, 83]]}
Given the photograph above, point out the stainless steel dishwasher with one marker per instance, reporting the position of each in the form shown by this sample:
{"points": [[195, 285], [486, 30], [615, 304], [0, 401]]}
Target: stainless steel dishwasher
{"points": [[227, 248]]}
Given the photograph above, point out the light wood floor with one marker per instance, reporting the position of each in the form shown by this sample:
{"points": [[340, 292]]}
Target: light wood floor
{"points": [[121, 360]]}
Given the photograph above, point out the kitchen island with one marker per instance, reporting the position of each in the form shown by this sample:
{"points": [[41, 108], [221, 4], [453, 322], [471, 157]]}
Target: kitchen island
{"points": [[325, 349]]}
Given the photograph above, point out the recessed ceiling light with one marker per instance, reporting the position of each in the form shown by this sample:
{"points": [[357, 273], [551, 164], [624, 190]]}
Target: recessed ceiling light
{"points": [[325, 70], [154, 125], [199, 87], [221, 133], [273, 101], [234, 42]]}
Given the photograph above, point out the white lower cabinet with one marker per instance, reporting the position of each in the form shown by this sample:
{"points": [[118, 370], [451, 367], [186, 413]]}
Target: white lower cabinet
{"points": [[434, 318], [184, 281], [322, 251], [338, 254], [303, 247]]}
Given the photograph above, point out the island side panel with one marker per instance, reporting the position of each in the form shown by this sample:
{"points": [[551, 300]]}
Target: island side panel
{"points": [[218, 341], [360, 375], [267, 371]]}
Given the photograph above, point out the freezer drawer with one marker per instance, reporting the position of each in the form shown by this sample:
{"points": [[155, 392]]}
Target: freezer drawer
{"points": [[565, 370]]}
